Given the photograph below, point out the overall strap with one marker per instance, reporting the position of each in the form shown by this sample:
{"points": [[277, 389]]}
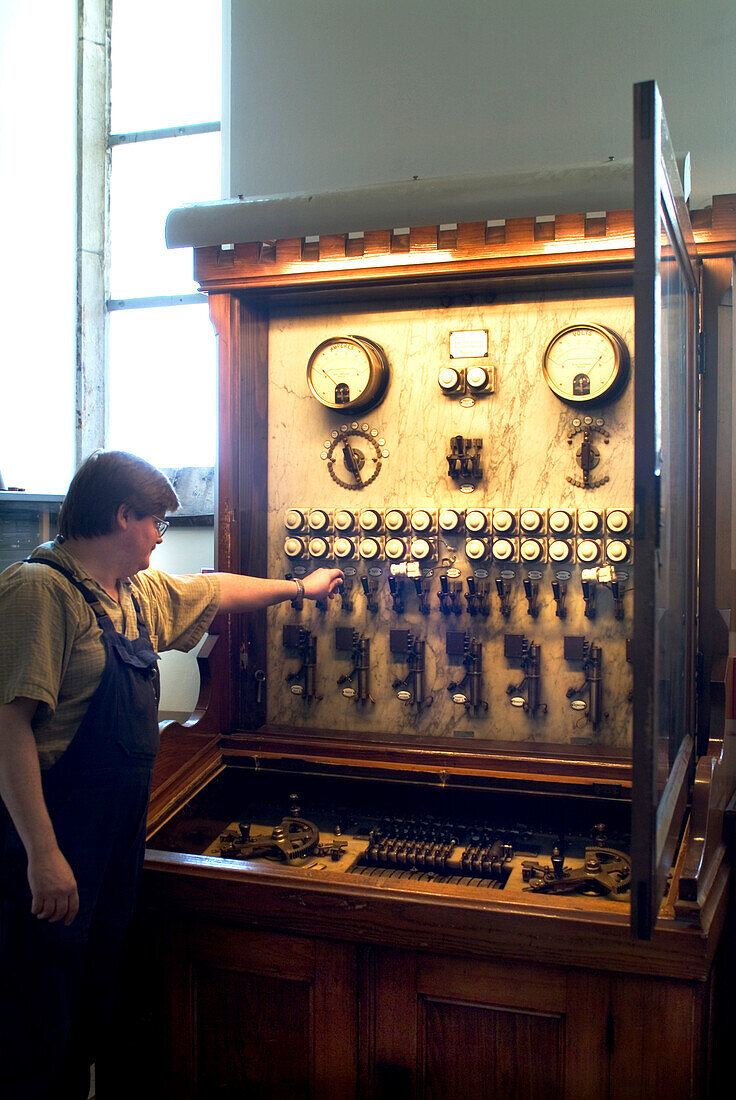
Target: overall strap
{"points": [[90, 597]]}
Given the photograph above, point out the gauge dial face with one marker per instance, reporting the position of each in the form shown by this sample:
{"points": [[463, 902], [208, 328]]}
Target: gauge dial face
{"points": [[585, 364], [348, 372]]}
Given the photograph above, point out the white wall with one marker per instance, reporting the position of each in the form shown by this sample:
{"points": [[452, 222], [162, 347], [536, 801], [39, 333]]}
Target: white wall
{"points": [[184, 550], [38, 115], [328, 94]]}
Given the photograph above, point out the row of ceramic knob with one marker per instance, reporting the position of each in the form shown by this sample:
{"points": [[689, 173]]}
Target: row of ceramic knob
{"points": [[528, 535], [530, 551], [556, 522]]}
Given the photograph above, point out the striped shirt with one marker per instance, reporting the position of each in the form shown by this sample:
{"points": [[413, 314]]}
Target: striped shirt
{"points": [[51, 646]]}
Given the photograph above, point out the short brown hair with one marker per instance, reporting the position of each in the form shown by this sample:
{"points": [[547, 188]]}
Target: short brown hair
{"points": [[102, 483]]}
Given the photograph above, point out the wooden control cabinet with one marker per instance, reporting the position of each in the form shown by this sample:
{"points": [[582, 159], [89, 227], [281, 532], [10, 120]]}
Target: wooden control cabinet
{"points": [[381, 970]]}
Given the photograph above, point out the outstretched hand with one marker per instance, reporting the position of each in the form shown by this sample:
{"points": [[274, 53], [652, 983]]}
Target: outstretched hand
{"points": [[323, 583]]}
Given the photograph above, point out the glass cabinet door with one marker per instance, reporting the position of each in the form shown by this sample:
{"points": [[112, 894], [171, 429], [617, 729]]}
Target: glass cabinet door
{"points": [[665, 497]]}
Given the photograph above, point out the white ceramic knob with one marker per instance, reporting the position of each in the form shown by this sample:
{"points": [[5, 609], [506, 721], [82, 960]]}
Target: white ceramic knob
{"points": [[530, 520], [616, 551], [294, 520], [503, 550], [369, 520], [369, 548], [588, 521], [475, 520], [475, 549], [395, 520], [588, 550], [560, 521], [395, 549], [421, 520], [617, 521], [503, 520], [531, 550], [559, 550]]}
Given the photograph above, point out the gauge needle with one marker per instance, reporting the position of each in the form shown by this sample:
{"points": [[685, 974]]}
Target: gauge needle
{"points": [[350, 463], [327, 375]]}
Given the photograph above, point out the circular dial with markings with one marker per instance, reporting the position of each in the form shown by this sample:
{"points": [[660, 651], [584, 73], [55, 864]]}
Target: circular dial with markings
{"points": [[348, 373], [586, 364]]}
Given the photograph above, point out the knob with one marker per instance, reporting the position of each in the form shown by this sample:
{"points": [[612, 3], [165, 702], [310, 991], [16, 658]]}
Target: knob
{"points": [[477, 378], [617, 521], [503, 520], [530, 520], [421, 520], [294, 520], [449, 379], [369, 548], [294, 547], [560, 521], [369, 519], [343, 548], [530, 550], [344, 520], [449, 520], [588, 521], [617, 551], [476, 549], [420, 549], [318, 548], [318, 520], [588, 550], [475, 520], [559, 550], [395, 549], [395, 520], [503, 550]]}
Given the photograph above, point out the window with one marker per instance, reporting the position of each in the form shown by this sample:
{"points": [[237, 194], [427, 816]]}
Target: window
{"points": [[165, 151]]}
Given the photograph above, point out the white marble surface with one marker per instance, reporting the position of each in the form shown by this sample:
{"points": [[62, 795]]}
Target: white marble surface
{"points": [[526, 459]]}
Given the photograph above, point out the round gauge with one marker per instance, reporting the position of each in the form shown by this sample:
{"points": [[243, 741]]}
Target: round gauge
{"points": [[585, 364], [348, 373]]}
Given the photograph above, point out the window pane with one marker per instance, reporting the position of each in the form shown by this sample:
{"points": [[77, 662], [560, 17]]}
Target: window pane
{"points": [[162, 388], [166, 63], [38, 119], [149, 178]]}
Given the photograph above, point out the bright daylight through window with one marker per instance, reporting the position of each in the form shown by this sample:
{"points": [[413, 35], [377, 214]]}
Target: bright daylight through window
{"points": [[165, 139]]}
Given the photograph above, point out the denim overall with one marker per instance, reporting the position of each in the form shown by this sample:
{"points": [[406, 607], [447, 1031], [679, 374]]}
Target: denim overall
{"points": [[57, 983]]}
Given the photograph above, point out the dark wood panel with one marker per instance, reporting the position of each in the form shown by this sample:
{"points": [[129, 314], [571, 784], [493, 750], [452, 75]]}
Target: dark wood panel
{"points": [[657, 1039], [477, 1052], [253, 1035]]}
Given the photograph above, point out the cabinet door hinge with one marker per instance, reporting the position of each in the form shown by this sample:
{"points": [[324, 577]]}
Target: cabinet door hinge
{"points": [[701, 352]]}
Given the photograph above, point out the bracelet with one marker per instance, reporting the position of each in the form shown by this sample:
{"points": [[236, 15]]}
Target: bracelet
{"points": [[299, 590]]}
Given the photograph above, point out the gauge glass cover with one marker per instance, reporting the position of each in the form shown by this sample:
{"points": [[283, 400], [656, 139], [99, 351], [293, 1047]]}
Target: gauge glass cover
{"points": [[348, 373], [584, 364]]}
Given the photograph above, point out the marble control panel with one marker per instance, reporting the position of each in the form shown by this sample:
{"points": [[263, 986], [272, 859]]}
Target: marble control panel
{"points": [[485, 589]]}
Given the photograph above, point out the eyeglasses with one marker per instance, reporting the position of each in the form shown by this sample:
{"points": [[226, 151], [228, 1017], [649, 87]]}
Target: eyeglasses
{"points": [[161, 525]]}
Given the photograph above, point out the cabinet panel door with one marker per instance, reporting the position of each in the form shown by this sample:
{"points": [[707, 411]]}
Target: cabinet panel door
{"points": [[260, 1014], [455, 1028]]}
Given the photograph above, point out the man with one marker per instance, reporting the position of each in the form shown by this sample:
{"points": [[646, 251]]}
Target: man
{"points": [[80, 625]]}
